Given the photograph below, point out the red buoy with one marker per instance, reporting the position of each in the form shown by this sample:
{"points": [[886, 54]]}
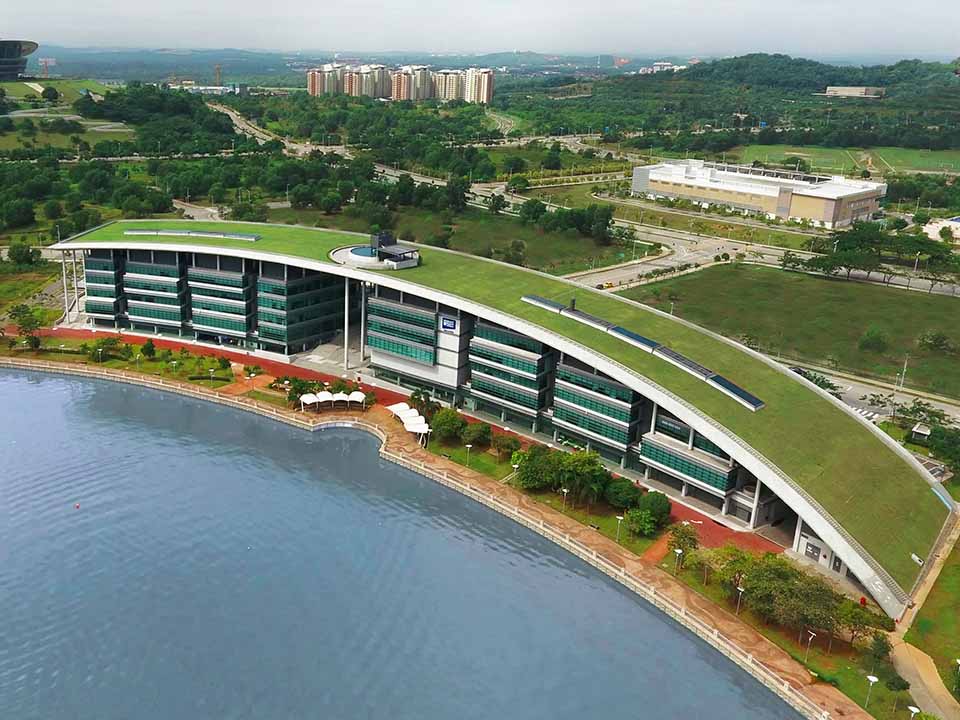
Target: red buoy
{"points": [[77, 506]]}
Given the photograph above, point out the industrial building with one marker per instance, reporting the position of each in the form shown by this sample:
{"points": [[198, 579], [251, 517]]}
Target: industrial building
{"points": [[673, 407], [824, 201]]}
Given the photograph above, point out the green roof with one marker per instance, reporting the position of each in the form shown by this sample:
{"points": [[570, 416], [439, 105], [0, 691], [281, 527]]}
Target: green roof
{"points": [[874, 493]]}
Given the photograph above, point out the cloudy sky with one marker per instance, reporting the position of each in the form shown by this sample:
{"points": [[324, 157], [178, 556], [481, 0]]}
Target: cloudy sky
{"points": [[820, 28]]}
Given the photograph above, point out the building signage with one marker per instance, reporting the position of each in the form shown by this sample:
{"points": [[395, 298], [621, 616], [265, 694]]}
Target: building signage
{"points": [[448, 325]]}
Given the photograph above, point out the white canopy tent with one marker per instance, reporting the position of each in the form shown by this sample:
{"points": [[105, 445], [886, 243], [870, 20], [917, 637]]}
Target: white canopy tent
{"points": [[324, 396], [358, 397], [340, 397], [307, 399], [397, 408]]}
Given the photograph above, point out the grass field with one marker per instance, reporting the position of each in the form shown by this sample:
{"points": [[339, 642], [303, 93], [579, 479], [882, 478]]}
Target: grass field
{"points": [[853, 160], [581, 196], [828, 453], [475, 230], [480, 460], [68, 89], [936, 629], [14, 140], [817, 319]]}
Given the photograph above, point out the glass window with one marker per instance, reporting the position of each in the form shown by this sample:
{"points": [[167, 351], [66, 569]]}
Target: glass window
{"points": [[503, 358], [595, 425], [591, 403], [687, 467], [514, 395], [394, 346], [481, 369]]}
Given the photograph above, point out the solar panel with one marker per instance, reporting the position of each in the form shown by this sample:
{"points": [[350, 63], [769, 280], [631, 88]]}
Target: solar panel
{"points": [[587, 318], [752, 401], [684, 362], [543, 302], [634, 338]]}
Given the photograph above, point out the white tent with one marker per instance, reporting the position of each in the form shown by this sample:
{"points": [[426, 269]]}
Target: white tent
{"points": [[340, 397], [418, 426], [358, 397], [324, 396], [307, 399], [409, 414], [397, 408]]}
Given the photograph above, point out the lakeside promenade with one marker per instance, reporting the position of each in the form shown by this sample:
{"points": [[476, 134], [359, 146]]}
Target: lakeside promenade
{"points": [[742, 644]]}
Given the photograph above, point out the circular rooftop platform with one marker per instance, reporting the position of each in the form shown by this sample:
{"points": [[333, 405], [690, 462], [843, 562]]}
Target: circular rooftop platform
{"points": [[393, 257]]}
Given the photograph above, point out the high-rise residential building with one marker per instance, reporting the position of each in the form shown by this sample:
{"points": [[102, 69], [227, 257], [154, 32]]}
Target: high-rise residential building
{"points": [[478, 85], [448, 85], [326, 79], [402, 85]]}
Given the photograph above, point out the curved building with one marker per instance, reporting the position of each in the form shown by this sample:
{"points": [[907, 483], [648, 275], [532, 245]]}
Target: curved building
{"points": [[675, 408], [13, 57]]}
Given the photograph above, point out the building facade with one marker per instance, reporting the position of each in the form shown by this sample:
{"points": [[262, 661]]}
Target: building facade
{"points": [[410, 82], [13, 57], [831, 202], [545, 368]]}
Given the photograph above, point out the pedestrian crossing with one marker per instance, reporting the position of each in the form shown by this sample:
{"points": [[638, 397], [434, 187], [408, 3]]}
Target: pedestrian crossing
{"points": [[868, 414]]}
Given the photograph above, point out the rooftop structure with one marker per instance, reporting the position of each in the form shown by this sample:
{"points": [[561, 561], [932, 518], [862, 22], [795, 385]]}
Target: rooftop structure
{"points": [[675, 407], [13, 57], [826, 201]]}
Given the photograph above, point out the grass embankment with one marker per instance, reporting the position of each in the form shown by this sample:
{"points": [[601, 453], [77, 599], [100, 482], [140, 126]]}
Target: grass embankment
{"points": [[818, 320], [582, 195], [936, 629], [476, 232], [845, 666], [17, 287], [600, 515]]}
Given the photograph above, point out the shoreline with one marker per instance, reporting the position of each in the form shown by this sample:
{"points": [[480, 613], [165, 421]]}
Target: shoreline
{"points": [[594, 551]]}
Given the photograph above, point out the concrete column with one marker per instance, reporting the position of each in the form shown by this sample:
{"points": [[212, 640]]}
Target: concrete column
{"points": [[363, 321], [796, 535], [66, 295], [756, 505], [346, 324], [623, 461], [556, 434], [690, 439], [646, 472], [503, 416], [76, 287], [726, 505], [653, 417], [685, 490]]}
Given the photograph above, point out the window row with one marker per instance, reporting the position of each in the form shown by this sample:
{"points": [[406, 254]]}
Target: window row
{"points": [[514, 395], [397, 347], [396, 312], [596, 383], [502, 358], [613, 411], [687, 467], [482, 369], [594, 425]]}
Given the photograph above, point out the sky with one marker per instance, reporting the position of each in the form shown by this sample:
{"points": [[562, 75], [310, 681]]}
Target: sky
{"points": [[812, 28]]}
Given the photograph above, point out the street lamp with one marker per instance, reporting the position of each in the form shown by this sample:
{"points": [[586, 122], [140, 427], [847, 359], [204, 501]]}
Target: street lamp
{"points": [[138, 360], [812, 635], [913, 710], [870, 679], [740, 591], [100, 355], [619, 521], [174, 363], [211, 376], [564, 491], [62, 346], [676, 566], [468, 446]]}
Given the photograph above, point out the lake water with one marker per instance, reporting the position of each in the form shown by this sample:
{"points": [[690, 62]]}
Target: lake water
{"points": [[224, 566]]}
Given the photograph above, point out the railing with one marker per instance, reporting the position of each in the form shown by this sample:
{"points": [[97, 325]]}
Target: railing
{"points": [[782, 688]]}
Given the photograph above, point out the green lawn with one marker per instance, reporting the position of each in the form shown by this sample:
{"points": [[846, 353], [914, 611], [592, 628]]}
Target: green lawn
{"points": [[269, 398], [820, 447], [936, 629], [848, 667], [483, 461], [14, 140], [581, 196], [68, 89], [817, 319], [475, 231], [570, 162]]}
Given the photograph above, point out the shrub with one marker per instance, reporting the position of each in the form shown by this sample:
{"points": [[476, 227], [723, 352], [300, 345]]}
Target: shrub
{"points": [[641, 522], [874, 339], [223, 363], [540, 468], [149, 350], [622, 493], [447, 425], [477, 434], [505, 445], [657, 505]]}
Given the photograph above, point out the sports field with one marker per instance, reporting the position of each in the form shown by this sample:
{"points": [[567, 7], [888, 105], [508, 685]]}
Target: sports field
{"points": [[853, 160]]}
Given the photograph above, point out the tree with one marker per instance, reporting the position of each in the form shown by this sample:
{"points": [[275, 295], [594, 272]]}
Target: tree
{"points": [[19, 253], [423, 403], [514, 164], [622, 493], [505, 445], [447, 425], [518, 183], [27, 322], [685, 538], [584, 475], [457, 189], [880, 648], [497, 203], [874, 339], [532, 210], [946, 234], [50, 94], [148, 350], [52, 209], [539, 469], [477, 434], [18, 213], [945, 445], [896, 684], [855, 619]]}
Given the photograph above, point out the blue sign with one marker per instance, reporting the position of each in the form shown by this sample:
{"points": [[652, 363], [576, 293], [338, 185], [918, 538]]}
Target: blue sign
{"points": [[448, 324]]}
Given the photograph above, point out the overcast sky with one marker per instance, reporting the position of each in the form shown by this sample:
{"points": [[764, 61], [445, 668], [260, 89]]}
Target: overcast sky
{"points": [[706, 27]]}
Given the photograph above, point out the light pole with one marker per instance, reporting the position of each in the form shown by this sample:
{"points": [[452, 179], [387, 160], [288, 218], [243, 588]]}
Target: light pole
{"points": [[138, 361], [211, 377], [740, 591], [957, 682], [174, 363], [676, 566], [913, 710], [468, 446], [564, 491], [870, 679], [99, 355], [619, 521], [61, 351], [812, 635]]}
